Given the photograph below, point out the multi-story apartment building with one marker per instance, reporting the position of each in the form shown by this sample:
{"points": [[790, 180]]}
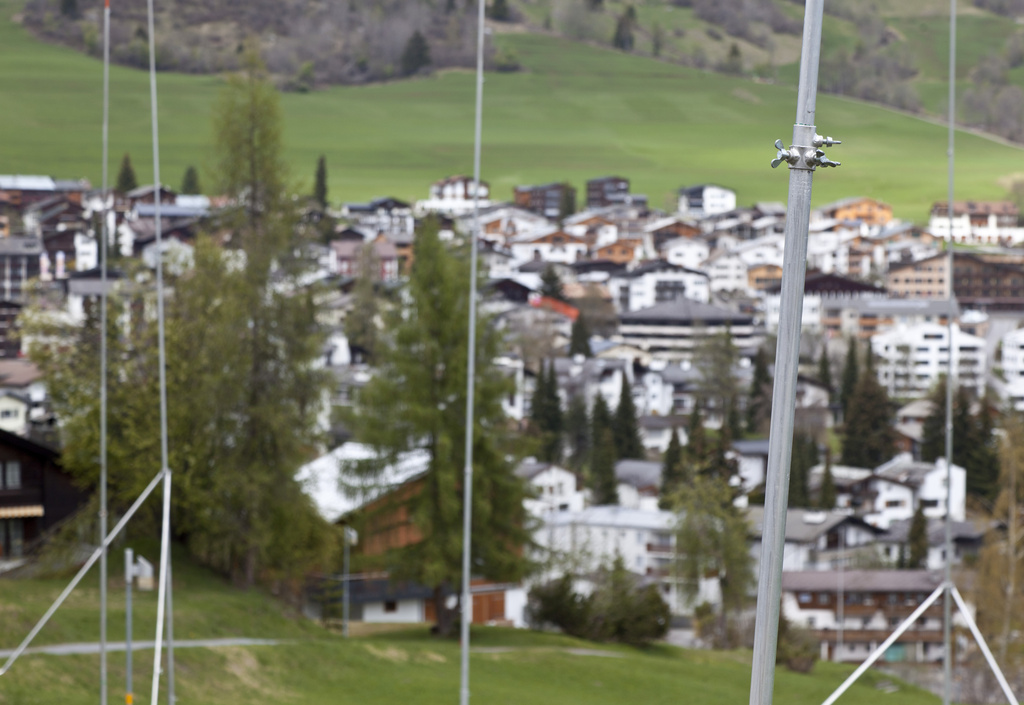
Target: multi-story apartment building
{"points": [[549, 200], [989, 281], [925, 279], [978, 222], [911, 359]]}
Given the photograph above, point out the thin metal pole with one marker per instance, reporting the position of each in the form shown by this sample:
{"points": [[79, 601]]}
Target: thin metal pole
{"points": [[171, 699], [467, 478], [81, 574], [841, 607], [129, 577], [947, 641], [103, 353], [802, 161], [876, 654], [344, 602], [984, 646], [165, 533]]}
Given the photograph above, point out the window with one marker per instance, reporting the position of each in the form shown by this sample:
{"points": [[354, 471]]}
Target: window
{"points": [[804, 598], [12, 538], [8, 414], [390, 606], [823, 598], [12, 475]]}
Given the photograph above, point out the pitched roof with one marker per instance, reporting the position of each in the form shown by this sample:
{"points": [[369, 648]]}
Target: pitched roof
{"points": [[638, 473], [804, 525], [685, 311], [863, 580]]}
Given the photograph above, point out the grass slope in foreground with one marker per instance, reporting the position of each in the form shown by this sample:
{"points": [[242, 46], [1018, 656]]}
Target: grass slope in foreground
{"points": [[576, 112]]}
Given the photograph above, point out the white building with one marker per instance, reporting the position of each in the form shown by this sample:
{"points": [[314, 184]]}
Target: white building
{"points": [[816, 539], [1013, 367], [657, 282], [689, 252], [555, 489], [726, 272], [900, 485], [453, 196], [911, 359], [706, 199]]}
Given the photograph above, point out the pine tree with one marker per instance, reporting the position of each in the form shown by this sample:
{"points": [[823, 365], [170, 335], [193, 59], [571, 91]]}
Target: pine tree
{"points": [[418, 400], [566, 202], [126, 180], [600, 424], [827, 491], [673, 472], [551, 284], [759, 404], [825, 371], [602, 469], [868, 437], [320, 182], [850, 375], [974, 444], [804, 457], [696, 446], [627, 435], [917, 538], [190, 182], [577, 433], [623, 37], [546, 414], [579, 339], [416, 55]]}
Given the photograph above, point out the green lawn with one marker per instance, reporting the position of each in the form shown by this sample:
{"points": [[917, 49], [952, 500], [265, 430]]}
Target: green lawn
{"points": [[575, 113]]}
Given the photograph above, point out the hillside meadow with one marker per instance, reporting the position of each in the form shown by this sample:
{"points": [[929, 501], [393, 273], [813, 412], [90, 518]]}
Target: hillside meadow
{"points": [[574, 112]]}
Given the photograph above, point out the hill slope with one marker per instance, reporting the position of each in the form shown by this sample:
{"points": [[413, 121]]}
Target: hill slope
{"points": [[576, 112]]}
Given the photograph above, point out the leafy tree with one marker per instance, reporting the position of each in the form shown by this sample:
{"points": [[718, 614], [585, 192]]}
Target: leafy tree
{"points": [[361, 322], [759, 404], [673, 471], [827, 491], [417, 400], [868, 437], [416, 55], [917, 538], [825, 371], [715, 358], [320, 183], [850, 375], [577, 433], [579, 338], [190, 182], [711, 538], [627, 433], [551, 284], [126, 180]]}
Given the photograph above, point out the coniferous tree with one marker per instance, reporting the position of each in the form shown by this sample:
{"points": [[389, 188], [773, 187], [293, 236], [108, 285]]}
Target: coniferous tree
{"points": [[546, 414], [579, 339], [416, 55], [804, 457], [627, 434], [827, 491], [974, 444], [126, 180], [361, 322], [759, 400], [917, 538], [673, 471], [825, 371], [190, 182], [851, 373], [696, 445], [602, 468], [868, 437], [623, 37], [551, 284], [577, 433], [566, 202], [320, 183]]}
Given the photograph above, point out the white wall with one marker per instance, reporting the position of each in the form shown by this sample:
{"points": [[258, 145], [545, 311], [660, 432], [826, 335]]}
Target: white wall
{"points": [[406, 611]]}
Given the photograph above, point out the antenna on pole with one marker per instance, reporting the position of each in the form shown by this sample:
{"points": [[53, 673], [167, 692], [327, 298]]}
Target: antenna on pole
{"points": [[803, 157], [165, 533], [467, 479], [103, 355]]}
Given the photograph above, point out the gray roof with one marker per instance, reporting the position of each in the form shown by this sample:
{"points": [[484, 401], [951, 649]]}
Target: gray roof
{"points": [[904, 471], [148, 210], [969, 531], [530, 468], [753, 447], [18, 245], [638, 473], [863, 580], [895, 307], [684, 311], [24, 182], [804, 525], [618, 517]]}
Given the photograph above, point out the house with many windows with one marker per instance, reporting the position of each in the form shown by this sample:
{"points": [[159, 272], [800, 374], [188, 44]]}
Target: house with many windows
{"points": [[910, 360]]}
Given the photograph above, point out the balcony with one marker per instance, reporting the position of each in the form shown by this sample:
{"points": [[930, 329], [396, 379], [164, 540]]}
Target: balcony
{"points": [[666, 549]]}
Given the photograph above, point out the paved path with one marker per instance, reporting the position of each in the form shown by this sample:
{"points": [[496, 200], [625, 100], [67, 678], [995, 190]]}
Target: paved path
{"points": [[94, 646]]}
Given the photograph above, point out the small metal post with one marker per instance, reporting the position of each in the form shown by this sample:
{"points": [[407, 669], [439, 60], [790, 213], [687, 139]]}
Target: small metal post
{"points": [[129, 577], [344, 602], [803, 157]]}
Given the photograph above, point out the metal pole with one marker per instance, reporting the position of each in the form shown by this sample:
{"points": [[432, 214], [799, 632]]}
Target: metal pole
{"points": [[841, 607], [981, 643], [344, 599], [467, 478], [171, 699], [129, 577], [885, 644], [803, 157], [165, 533], [947, 642], [80, 574], [103, 354]]}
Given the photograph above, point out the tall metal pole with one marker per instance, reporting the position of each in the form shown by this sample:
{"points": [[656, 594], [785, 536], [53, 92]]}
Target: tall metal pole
{"points": [[103, 355], [129, 577], [841, 607], [467, 478], [165, 533], [344, 598], [947, 602], [171, 698], [802, 157]]}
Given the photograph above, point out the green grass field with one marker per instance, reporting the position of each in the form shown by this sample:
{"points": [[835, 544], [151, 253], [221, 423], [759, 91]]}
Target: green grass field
{"points": [[511, 667], [574, 113]]}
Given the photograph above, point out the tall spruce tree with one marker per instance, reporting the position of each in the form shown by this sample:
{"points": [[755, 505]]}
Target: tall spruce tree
{"points": [[126, 180], [759, 400], [579, 339], [416, 55], [868, 436], [696, 445], [825, 371], [917, 539], [190, 182], [851, 373], [804, 457], [577, 433], [974, 444], [600, 424], [320, 182], [602, 468], [625, 427], [673, 471], [417, 400], [827, 491], [551, 284]]}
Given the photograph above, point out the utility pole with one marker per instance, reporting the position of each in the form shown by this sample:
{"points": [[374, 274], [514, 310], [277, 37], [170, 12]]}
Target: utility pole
{"points": [[103, 354], [803, 157], [129, 578]]}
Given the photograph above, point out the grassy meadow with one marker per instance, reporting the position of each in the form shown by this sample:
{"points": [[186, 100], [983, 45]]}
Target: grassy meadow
{"points": [[575, 112]]}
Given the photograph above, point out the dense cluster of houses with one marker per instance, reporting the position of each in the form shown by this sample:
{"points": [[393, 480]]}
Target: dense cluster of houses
{"points": [[652, 285]]}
